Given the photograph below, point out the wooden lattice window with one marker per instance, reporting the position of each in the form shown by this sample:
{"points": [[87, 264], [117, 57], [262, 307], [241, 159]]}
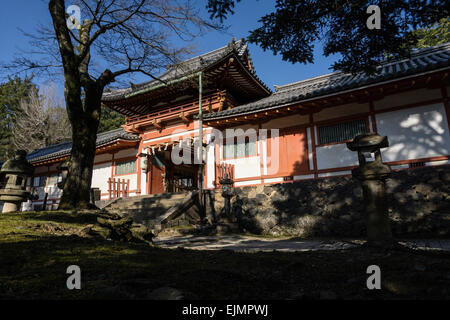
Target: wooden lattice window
{"points": [[126, 167], [341, 132], [239, 148]]}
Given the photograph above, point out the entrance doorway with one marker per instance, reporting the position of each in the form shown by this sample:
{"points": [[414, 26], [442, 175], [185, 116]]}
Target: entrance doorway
{"points": [[164, 176]]}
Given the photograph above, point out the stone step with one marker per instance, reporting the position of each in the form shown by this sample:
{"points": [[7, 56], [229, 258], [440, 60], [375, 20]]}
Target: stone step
{"points": [[147, 200], [137, 206], [152, 211]]}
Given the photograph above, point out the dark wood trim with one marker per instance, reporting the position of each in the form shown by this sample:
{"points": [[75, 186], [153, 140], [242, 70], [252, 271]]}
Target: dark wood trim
{"points": [[446, 104], [372, 116]]}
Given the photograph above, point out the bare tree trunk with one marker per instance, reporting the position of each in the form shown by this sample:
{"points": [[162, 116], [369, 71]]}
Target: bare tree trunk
{"points": [[76, 193]]}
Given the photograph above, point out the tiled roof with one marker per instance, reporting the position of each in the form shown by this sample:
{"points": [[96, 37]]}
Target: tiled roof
{"points": [[186, 68], [64, 148], [424, 60]]}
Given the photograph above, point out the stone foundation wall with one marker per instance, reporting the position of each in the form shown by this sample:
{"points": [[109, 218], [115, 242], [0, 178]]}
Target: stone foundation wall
{"points": [[419, 205]]}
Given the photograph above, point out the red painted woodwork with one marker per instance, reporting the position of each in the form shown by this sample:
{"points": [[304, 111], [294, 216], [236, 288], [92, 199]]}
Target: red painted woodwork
{"points": [[293, 152], [221, 170], [118, 188], [212, 102], [156, 179]]}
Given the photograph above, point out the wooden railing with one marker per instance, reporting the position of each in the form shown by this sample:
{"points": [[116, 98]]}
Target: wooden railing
{"points": [[222, 171], [118, 188], [208, 100]]}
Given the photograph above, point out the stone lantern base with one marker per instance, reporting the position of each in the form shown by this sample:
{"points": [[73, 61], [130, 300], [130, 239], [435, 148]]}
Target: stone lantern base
{"points": [[11, 207], [12, 199]]}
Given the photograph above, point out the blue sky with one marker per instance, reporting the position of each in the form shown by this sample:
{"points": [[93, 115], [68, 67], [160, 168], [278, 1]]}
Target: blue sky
{"points": [[271, 68]]}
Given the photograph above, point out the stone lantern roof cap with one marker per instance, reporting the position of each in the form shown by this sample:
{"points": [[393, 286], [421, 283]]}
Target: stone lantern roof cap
{"points": [[18, 165], [368, 142]]}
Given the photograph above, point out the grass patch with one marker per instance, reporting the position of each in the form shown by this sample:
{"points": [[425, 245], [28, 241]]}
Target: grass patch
{"points": [[36, 248]]}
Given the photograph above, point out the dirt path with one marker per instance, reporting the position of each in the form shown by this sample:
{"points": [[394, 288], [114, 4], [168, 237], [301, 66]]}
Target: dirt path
{"points": [[243, 243]]}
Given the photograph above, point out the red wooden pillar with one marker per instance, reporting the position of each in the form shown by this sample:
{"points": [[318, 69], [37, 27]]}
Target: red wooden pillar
{"points": [[109, 188]]}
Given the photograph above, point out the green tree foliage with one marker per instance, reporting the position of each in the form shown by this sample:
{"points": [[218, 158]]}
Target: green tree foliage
{"points": [[433, 35], [11, 94], [341, 25], [110, 120]]}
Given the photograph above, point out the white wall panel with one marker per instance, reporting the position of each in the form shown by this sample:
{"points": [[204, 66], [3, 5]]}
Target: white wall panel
{"points": [[415, 133], [245, 167], [408, 97], [100, 176], [210, 165], [335, 156]]}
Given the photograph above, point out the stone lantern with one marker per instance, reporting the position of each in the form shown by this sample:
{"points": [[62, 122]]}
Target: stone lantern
{"points": [[373, 175], [227, 193], [13, 178]]}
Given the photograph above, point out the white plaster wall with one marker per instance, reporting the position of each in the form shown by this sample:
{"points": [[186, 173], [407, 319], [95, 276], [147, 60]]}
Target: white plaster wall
{"points": [[210, 165], [335, 156], [304, 177], [263, 148], [438, 163], [332, 174], [273, 180], [247, 183], [245, 167], [408, 97], [100, 176], [415, 133], [53, 191], [132, 177], [144, 177]]}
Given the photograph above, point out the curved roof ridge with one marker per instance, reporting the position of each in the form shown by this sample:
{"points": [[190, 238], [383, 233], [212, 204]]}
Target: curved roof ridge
{"points": [[183, 68], [415, 54]]}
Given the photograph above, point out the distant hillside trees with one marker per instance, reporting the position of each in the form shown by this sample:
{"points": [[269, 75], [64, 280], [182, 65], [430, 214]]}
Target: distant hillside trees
{"points": [[110, 120], [12, 93], [436, 34], [41, 122]]}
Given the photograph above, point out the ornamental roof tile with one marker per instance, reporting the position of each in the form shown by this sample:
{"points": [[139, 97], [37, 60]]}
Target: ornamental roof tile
{"points": [[425, 60], [64, 148], [186, 68]]}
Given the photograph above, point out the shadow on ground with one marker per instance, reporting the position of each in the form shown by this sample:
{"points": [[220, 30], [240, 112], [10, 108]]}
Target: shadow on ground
{"points": [[33, 266]]}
